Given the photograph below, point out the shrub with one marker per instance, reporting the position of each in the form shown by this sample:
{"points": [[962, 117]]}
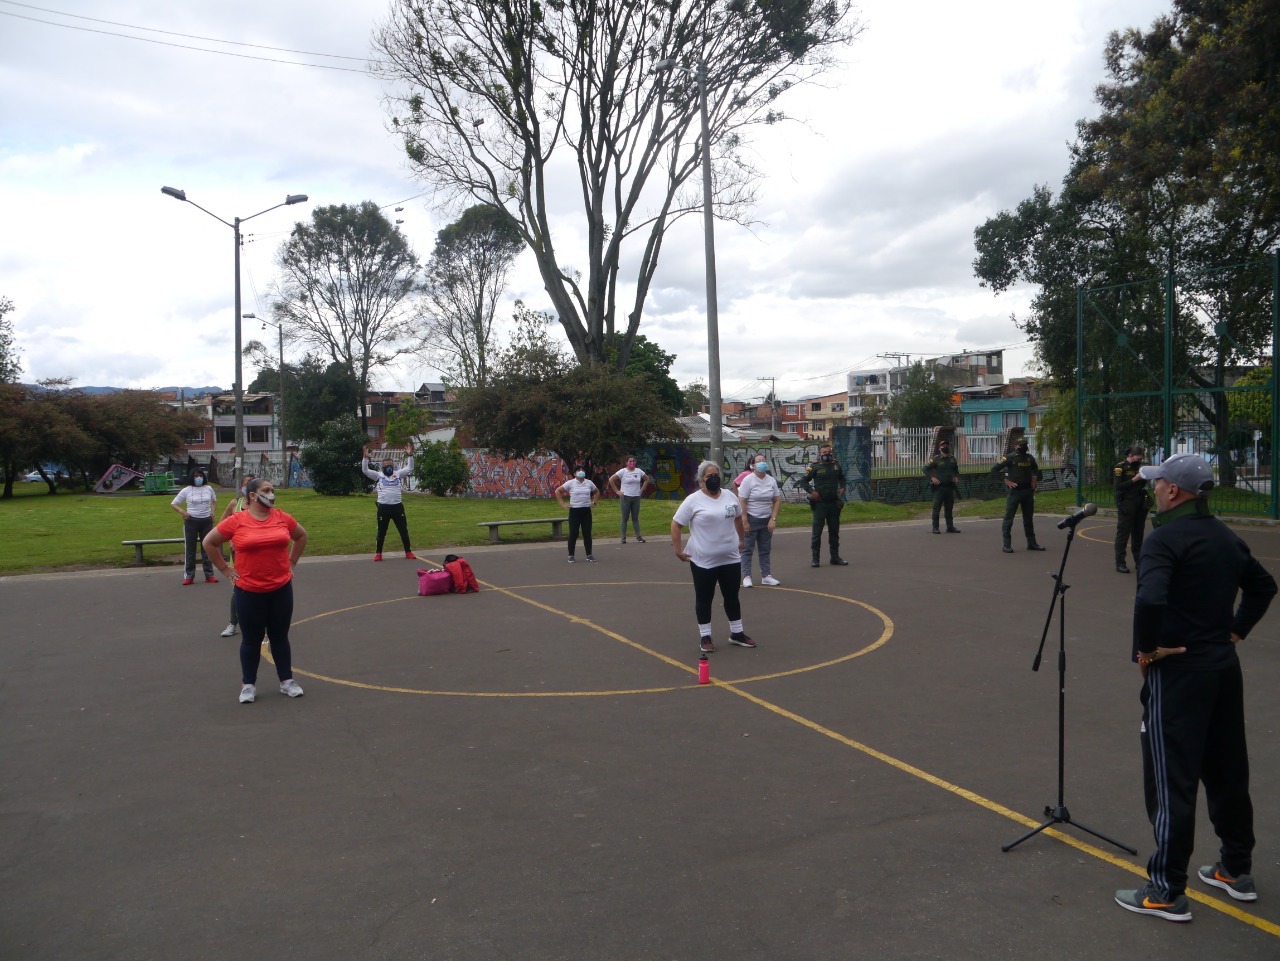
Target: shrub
{"points": [[333, 461]]}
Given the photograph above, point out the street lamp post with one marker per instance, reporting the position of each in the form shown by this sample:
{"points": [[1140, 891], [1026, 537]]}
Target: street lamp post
{"points": [[716, 453], [714, 402], [284, 437], [177, 194]]}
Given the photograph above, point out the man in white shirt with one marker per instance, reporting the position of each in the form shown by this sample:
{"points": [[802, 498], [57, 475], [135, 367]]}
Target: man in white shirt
{"points": [[631, 484], [390, 484]]}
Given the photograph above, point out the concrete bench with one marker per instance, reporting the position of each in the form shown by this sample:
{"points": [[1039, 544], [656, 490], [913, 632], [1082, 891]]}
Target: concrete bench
{"points": [[139, 544], [493, 526]]}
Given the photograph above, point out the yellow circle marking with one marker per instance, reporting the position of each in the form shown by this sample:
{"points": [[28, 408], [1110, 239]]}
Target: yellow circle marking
{"points": [[885, 634], [733, 687]]}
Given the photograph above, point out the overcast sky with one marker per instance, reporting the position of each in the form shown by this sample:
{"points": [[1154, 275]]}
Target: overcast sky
{"points": [[945, 114]]}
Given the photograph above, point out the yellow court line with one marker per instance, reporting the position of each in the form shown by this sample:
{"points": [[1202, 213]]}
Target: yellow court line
{"points": [[971, 796]]}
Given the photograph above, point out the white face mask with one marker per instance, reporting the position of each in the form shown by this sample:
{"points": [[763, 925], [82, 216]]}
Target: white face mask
{"points": [[267, 500]]}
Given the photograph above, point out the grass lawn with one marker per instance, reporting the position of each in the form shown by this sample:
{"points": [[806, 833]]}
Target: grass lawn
{"points": [[39, 532]]}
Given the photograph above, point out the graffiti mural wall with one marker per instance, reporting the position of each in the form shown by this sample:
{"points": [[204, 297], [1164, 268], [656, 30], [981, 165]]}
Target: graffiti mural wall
{"points": [[536, 476]]}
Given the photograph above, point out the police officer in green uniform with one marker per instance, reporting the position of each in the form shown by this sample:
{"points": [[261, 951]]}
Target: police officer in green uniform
{"points": [[1132, 506], [824, 483], [1021, 477], [943, 472]]}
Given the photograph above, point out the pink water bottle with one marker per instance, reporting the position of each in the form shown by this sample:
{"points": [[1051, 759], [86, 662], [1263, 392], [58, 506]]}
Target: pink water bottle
{"points": [[704, 670]]}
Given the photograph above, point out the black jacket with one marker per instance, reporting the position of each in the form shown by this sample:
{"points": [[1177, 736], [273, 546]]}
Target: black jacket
{"points": [[1193, 566]]}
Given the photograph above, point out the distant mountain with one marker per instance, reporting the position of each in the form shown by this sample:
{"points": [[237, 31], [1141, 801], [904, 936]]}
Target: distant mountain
{"points": [[187, 392]]}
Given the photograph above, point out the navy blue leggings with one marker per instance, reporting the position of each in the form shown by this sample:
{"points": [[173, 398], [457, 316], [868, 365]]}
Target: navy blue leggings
{"points": [[262, 615]]}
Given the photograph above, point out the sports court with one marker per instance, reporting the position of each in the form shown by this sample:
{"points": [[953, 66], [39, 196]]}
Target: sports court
{"points": [[533, 772]]}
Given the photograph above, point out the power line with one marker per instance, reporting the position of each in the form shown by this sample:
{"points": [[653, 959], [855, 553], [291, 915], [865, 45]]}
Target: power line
{"points": [[183, 46]]}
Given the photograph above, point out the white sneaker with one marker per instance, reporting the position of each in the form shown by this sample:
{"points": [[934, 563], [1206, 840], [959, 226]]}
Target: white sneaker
{"points": [[230, 630], [770, 581], [746, 581], [248, 693], [291, 688]]}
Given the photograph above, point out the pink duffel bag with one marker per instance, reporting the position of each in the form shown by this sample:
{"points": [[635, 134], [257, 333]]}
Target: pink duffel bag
{"points": [[434, 582]]}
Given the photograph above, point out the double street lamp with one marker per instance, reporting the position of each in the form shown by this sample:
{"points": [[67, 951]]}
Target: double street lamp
{"points": [[177, 194]]}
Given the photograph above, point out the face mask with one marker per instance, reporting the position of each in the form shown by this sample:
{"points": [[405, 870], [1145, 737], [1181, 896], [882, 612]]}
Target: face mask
{"points": [[197, 481], [580, 475], [944, 451], [713, 482], [266, 500], [761, 467], [827, 458], [1022, 448], [388, 470]]}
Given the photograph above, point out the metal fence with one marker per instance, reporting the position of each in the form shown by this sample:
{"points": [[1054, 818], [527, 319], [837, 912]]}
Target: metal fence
{"points": [[1159, 364]]}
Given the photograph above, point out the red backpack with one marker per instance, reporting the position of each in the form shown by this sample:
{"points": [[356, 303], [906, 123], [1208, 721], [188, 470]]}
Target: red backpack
{"points": [[464, 580]]}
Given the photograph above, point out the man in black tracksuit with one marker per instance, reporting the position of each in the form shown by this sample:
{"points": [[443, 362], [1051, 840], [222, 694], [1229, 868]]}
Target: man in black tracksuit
{"points": [[1131, 507], [1185, 634], [943, 472], [1021, 477]]}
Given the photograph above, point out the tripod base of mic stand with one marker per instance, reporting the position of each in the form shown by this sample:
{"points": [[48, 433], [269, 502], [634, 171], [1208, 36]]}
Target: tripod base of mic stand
{"points": [[1060, 815]]}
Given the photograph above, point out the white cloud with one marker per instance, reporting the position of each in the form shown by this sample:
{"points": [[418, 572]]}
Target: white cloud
{"points": [[945, 114]]}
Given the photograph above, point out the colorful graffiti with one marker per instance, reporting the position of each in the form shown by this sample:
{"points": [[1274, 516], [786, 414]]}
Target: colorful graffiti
{"points": [[535, 476]]}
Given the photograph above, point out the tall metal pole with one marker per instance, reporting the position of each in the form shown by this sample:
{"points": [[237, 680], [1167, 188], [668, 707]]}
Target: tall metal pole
{"points": [[716, 453], [284, 442], [239, 387]]}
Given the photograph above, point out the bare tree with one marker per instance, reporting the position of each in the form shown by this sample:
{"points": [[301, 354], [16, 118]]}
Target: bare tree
{"points": [[463, 280], [496, 98], [344, 288]]}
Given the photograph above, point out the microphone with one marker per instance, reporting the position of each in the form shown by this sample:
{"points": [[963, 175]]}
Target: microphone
{"points": [[1087, 511]]}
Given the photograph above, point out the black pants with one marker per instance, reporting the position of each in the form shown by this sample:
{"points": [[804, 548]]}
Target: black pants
{"points": [[944, 499], [1025, 498], [825, 513], [388, 513], [579, 522], [193, 531], [705, 580], [267, 614], [1131, 525], [1193, 732]]}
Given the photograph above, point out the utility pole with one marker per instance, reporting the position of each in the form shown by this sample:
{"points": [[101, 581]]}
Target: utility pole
{"points": [[773, 403]]}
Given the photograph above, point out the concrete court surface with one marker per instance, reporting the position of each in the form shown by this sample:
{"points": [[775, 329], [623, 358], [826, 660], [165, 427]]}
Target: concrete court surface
{"points": [[533, 773]]}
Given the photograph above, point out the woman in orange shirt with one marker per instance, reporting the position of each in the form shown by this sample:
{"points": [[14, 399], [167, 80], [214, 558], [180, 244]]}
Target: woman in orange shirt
{"points": [[268, 543]]}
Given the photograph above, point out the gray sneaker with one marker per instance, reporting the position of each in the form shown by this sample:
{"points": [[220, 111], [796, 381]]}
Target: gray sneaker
{"points": [[1147, 900], [291, 687], [248, 693], [1239, 887], [229, 631]]}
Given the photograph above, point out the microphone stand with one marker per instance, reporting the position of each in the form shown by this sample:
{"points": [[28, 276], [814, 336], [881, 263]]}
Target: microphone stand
{"points": [[1058, 814]]}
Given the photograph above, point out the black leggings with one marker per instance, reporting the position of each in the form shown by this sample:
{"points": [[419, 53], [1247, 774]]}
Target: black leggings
{"points": [[579, 520], [705, 579], [265, 614], [388, 513]]}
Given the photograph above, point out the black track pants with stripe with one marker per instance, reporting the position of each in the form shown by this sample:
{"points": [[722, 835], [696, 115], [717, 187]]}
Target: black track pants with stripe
{"points": [[1192, 732]]}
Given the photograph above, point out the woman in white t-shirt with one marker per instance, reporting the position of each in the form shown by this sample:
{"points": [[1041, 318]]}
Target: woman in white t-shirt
{"points": [[714, 550], [583, 495], [761, 499], [197, 520]]}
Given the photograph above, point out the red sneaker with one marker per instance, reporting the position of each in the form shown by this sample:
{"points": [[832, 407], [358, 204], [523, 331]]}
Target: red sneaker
{"points": [[211, 579], [377, 557], [188, 580], [410, 556]]}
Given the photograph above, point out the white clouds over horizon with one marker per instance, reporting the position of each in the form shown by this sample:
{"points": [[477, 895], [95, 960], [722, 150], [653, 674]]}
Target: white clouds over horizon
{"points": [[944, 115]]}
